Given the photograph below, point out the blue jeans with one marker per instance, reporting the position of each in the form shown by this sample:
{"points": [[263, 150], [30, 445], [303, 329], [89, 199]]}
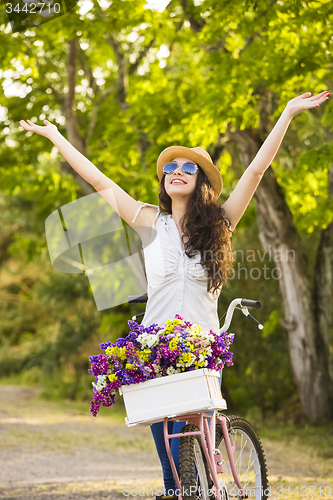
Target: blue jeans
{"points": [[158, 435]]}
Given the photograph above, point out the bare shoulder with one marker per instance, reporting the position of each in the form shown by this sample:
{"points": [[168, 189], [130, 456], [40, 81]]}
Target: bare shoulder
{"points": [[146, 216], [143, 224]]}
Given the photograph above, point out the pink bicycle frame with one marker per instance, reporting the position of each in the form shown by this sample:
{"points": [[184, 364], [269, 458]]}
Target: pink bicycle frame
{"points": [[207, 436]]}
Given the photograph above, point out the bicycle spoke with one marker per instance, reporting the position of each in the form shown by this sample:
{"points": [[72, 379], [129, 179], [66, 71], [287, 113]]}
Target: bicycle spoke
{"points": [[250, 456], [247, 470], [241, 451]]}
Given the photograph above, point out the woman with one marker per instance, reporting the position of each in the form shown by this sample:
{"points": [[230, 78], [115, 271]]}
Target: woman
{"points": [[186, 276]]}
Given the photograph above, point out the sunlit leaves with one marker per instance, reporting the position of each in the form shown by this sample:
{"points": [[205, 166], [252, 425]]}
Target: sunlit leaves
{"points": [[306, 189]]}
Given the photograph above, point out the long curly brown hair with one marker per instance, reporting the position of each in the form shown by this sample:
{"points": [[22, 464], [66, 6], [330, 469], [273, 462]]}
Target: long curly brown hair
{"points": [[207, 229]]}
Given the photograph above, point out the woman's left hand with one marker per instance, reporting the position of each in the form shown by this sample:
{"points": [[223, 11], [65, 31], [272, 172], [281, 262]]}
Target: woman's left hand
{"points": [[304, 101]]}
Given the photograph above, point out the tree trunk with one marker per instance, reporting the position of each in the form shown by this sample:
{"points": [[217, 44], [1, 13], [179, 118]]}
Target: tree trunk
{"points": [[323, 281], [307, 320]]}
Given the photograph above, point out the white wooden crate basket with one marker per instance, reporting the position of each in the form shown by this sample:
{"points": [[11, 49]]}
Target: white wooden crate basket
{"points": [[153, 400]]}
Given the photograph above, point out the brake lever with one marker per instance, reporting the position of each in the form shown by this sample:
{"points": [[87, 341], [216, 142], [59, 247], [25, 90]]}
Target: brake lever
{"points": [[246, 313]]}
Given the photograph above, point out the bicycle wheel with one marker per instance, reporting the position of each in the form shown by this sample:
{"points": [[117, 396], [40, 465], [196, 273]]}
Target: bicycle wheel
{"points": [[193, 468], [249, 459]]}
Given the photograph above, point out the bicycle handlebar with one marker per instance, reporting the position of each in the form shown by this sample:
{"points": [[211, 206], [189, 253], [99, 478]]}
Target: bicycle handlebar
{"points": [[251, 303], [243, 303]]}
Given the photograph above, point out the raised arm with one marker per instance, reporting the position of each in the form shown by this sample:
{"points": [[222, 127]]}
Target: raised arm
{"points": [[241, 196], [120, 201]]}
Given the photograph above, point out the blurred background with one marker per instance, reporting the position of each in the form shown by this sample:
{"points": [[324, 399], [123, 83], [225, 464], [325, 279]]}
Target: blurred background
{"points": [[122, 80]]}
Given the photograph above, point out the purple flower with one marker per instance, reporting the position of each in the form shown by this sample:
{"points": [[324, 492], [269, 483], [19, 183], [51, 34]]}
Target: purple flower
{"points": [[120, 342], [93, 359], [104, 345], [153, 354]]}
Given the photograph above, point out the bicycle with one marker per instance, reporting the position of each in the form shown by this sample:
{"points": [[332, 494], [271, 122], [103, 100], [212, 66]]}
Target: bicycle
{"points": [[203, 473]]}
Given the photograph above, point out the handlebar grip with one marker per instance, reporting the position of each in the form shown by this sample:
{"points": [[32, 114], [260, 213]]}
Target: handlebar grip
{"points": [[251, 303], [137, 299]]}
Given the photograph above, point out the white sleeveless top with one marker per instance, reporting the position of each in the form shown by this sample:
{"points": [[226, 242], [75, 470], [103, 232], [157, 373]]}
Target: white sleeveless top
{"points": [[177, 284]]}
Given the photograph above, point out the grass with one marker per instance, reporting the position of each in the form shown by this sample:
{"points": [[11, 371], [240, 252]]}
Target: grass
{"points": [[53, 439], [29, 402], [319, 438], [34, 423]]}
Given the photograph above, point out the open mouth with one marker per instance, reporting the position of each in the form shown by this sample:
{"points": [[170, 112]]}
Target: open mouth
{"points": [[177, 181]]}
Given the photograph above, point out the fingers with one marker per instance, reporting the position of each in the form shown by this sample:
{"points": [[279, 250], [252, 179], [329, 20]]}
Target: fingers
{"points": [[320, 98], [27, 123], [315, 97], [322, 95], [24, 124]]}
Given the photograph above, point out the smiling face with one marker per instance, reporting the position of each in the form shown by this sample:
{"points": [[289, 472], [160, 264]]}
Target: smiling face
{"points": [[178, 183]]}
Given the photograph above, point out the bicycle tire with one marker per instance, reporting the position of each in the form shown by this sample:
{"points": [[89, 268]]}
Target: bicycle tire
{"points": [[253, 476], [193, 468]]}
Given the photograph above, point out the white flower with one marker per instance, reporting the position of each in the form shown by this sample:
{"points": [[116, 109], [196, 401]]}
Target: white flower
{"points": [[147, 339], [158, 370], [101, 382], [194, 329], [171, 370], [207, 335]]}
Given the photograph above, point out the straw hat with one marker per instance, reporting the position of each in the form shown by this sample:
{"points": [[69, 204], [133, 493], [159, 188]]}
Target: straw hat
{"points": [[199, 156]]}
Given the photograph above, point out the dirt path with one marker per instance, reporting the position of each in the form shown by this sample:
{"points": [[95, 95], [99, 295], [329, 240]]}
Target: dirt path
{"points": [[54, 452]]}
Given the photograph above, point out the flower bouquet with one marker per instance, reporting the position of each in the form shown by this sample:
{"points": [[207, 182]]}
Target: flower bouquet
{"points": [[154, 351]]}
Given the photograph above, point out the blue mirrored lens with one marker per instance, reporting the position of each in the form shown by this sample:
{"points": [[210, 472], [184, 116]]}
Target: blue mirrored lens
{"points": [[169, 168], [187, 168]]}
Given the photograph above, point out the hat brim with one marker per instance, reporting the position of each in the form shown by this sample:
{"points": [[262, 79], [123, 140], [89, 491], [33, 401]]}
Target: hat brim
{"points": [[213, 174]]}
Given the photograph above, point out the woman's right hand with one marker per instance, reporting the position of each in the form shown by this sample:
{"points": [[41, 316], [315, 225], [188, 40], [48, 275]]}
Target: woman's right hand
{"points": [[44, 131]]}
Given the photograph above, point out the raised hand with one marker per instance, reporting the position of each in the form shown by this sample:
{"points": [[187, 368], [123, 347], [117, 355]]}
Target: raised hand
{"points": [[304, 101], [44, 131]]}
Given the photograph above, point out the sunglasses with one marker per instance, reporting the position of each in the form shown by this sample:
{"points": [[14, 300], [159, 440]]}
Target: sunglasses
{"points": [[187, 168]]}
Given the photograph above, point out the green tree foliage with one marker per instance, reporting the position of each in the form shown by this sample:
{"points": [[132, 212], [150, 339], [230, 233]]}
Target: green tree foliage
{"points": [[122, 82]]}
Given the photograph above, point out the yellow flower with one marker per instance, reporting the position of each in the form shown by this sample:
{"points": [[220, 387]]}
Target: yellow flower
{"points": [[186, 357], [129, 366], [144, 354], [173, 344], [111, 350], [199, 365], [113, 377], [122, 353], [117, 351]]}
